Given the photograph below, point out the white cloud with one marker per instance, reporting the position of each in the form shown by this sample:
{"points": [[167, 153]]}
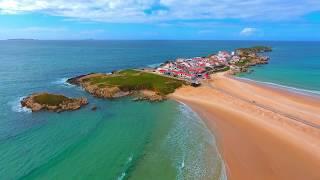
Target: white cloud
{"points": [[162, 10], [248, 31]]}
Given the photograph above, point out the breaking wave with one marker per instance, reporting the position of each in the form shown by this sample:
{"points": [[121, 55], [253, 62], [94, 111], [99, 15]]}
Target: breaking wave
{"points": [[154, 65], [128, 165], [62, 82], [194, 148], [17, 107]]}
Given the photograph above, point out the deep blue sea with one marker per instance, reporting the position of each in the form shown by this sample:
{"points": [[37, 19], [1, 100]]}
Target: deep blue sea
{"points": [[122, 139]]}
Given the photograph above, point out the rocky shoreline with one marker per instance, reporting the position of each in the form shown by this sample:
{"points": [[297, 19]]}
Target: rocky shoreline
{"points": [[249, 57], [52, 102]]}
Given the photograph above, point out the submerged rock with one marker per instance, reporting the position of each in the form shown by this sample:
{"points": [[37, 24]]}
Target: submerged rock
{"points": [[94, 108], [52, 102]]}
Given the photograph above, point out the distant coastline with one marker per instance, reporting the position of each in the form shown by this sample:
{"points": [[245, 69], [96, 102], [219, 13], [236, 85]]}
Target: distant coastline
{"points": [[21, 39]]}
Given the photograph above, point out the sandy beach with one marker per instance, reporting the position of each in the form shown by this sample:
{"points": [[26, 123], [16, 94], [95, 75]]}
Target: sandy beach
{"points": [[262, 132]]}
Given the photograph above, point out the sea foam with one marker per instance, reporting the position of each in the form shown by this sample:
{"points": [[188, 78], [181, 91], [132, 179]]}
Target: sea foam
{"points": [[154, 65], [128, 165], [17, 107], [193, 147], [63, 82], [122, 176]]}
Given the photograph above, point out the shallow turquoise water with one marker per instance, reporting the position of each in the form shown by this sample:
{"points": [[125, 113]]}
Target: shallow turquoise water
{"points": [[293, 64], [122, 139]]}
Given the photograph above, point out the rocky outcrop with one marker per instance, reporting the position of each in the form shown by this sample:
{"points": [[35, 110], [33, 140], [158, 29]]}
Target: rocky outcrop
{"points": [[76, 80], [52, 102], [148, 95], [247, 61], [253, 50], [95, 89], [103, 92]]}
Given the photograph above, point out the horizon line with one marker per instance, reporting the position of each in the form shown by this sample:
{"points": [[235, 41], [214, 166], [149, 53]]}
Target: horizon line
{"points": [[31, 39]]}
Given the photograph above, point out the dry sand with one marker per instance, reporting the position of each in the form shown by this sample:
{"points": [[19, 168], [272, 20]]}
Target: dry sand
{"points": [[262, 132]]}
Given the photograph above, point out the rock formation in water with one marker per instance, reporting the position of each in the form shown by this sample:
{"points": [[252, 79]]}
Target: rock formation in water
{"points": [[52, 102]]}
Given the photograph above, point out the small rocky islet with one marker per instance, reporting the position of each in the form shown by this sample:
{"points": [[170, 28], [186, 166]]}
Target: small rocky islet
{"points": [[52, 102], [144, 84]]}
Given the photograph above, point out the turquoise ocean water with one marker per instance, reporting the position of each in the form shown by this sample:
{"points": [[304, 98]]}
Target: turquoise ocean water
{"points": [[293, 65], [122, 139]]}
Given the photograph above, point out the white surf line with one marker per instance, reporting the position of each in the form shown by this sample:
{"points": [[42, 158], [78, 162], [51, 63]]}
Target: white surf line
{"points": [[223, 172]]}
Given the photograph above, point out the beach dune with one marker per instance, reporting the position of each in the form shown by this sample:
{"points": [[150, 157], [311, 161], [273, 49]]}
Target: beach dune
{"points": [[262, 132]]}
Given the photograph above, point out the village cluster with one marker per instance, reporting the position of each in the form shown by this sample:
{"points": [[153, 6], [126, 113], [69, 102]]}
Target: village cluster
{"points": [[194, 69]]}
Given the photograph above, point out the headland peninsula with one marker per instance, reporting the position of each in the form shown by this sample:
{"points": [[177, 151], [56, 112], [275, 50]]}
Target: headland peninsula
{"points": [[154, 84], [142, 85], [263, 132]]}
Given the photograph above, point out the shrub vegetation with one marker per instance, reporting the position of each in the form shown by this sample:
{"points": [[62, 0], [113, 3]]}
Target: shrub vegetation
{"points": [[129, 80], [50, 99]]}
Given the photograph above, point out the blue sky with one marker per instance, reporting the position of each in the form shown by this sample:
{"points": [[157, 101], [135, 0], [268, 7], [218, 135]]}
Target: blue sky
{"points": [[161, 19]]}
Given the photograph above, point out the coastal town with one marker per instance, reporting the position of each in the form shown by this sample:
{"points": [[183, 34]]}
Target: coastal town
{"points": [[195, 69]]}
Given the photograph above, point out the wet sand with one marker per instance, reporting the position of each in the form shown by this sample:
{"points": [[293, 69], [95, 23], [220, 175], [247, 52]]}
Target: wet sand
{"points": [[262, 132]]}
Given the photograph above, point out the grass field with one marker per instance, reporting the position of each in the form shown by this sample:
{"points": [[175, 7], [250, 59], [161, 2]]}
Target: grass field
{"points": [[50, 99], [128, 80]]}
